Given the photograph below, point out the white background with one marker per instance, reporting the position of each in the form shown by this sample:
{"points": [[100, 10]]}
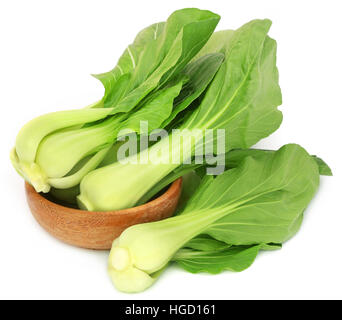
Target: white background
{"points": [[47, 51]]}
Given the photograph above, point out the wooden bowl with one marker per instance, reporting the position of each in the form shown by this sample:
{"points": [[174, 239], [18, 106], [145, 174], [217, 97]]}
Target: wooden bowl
{"points": [[97, 229]]}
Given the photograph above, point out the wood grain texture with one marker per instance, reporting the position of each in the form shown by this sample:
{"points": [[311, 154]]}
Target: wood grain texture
{"points": [[97, 229]]}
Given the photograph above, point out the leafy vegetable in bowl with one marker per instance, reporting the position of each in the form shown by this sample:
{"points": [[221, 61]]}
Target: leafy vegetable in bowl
{"points": [[207, 91]]}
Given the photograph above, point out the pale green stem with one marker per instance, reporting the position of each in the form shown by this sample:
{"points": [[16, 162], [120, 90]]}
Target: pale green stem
{"points": [[74, 179]]}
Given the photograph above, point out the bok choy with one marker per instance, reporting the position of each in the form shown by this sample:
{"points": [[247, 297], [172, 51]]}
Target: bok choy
{"points": [[259, 202], [58, 149], [203, 95], [242, 100]]}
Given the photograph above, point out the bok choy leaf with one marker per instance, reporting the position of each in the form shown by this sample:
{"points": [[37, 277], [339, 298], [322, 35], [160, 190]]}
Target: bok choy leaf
{"points": [[158, 54], [232, 258], [232, 159]]}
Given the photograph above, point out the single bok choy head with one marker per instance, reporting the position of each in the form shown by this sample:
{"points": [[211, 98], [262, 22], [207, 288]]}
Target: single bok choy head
{"points": [[30, 137], [242, 100], [259, 202]]}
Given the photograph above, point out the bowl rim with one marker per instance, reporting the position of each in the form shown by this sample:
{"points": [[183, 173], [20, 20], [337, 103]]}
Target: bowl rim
{"points": [[174, 187]]}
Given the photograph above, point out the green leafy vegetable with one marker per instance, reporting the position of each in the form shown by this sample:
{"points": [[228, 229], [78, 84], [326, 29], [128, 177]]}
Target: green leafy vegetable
{"points": [[217, 43], [165, 104], [148, 78], [242, 99], [181, 76], [260, 201], [205, 254], [158, 54], [58, 153], [77, 173], [32, 134], [200, 74], [118, 78], [244, 96], [232, 159], [156, 110]]}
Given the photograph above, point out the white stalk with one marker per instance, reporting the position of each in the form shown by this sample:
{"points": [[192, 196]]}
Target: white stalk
{"points": [[143, 250], [110, 187], [74, 179]]}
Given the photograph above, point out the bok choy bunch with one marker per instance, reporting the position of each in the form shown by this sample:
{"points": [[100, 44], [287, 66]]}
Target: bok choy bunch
{"points": [[154, 76], [242, 100], [258, 204], [209, 91], [33, 153]]}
